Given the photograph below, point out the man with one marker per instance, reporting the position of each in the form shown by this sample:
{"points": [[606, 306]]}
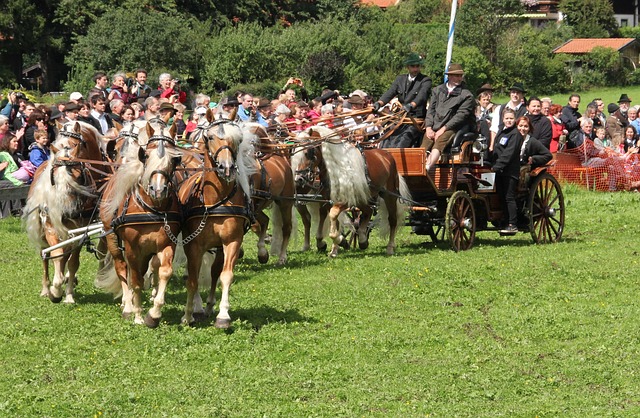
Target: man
{"points": [[264, 113], [70, 112], [546, 103], [246, 108], [76, 97], [451, 108], [624, 102], [591, 112], [515, 103], [140, 89], [171, 87], [570, 115], [412, 90], [100, 89], [98, 114], [117, 107], [166, 111], [23, 114], [228, 104], [151, 107], [600, 110], [540, 124], [615, 126]]}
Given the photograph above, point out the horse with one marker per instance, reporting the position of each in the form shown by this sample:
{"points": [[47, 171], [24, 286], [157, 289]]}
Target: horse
{"points": [[354, 178], [216, 215], [140, 208], [272, 183], [63, 196]]}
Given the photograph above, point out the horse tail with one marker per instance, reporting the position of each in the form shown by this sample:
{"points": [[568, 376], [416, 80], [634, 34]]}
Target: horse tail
{"points": [[276, 229], [204, 278], [31, 213], [107, 279], [314, 211], [401, 208]]}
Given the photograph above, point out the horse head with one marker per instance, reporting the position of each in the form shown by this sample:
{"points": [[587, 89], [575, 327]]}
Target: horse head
{"points": [[118, 148], [160, 157], [75, 143], [223, 139]]}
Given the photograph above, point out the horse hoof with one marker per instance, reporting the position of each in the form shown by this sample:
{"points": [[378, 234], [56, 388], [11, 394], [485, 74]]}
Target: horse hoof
{"points": [[199, 316], [126, 315], [344, 243], [322, 247], [263, 259], [151, 322], [223, 323], [241, 253], [363, 245], [54, 299]]}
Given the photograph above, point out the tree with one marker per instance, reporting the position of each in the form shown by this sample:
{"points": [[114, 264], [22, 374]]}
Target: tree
{"points": [[484, 22], [590, 18]]}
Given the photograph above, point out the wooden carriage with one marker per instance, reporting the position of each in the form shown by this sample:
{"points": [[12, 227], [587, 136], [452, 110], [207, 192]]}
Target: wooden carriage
{"points": [[460, 198]]}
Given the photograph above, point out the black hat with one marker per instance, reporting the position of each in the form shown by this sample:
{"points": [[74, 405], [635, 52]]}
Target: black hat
{"points": [[612, 108], [230, 101], [485, 87], [155, 93], [264, 103], [624, 98], [167, 106], [71, 106], [518, 87], [55, 113]]}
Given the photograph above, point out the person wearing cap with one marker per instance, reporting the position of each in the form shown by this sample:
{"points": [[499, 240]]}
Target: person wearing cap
{"points": [[263, 112], [484, 109], [76, 97], [226, 107], [570, 115], [280, 126], [624, 102], [452, 107], [412, 91], [166, 111], [516, 103], [615, 126], [197, 117]]}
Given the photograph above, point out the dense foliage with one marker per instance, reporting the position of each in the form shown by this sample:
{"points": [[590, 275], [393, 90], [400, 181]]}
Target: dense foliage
{"points": [[220, 46]]}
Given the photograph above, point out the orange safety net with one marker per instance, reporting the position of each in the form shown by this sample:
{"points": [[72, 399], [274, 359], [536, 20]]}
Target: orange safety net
{"points": [[597, 169]]}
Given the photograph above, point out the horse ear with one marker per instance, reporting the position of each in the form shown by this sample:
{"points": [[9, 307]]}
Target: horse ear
{"points": [[172, 130], [177, 160], [234, 113], [166, 117], [59, 125], [76, 127], [111, 148], [314, 134], [209, 115], [149, 130], [142, 154]]}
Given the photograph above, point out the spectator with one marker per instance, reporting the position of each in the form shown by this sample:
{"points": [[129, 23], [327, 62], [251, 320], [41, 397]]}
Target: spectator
{"points": [[138, 110], [570, 115], [624, 102], [166, 111], [84, 115], [11, 107], [171, 87], [227, 106], [202, 100], [25, 110], [577, 138], [76, 97], [533, 152], [178, 119], [601, 140], [539, 123], [600, 111], [264, 112], [326, 115], [632, 115], [4, 126], [615, 126], [140, 90], [516, 103], [128, 115], [70, 112], [484, 109], [14, 171], [288, 95], [119, 89], [412, 91], [316, 109], [99, 115], [592, 113], [506, 165], [451, 108], [100, 89], [281, 115], [557, 128], [630, 139], [245, 110], [36, 121], [39, 150], [117, 107], [151, 105], [198, 113], [545, 105]]}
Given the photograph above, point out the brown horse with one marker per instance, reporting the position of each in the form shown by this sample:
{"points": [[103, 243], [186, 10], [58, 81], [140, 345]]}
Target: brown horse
{"points": [[216, 213], [140, 206], [272, 183], [63, 196], [355, 179]]}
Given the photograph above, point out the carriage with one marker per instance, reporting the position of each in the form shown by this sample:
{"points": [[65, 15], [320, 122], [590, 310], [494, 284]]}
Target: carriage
{"points": [[460, 198]]}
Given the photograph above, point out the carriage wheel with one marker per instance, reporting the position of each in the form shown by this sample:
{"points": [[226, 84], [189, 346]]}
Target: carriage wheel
{"points": [[460, 223], [546, 209]]}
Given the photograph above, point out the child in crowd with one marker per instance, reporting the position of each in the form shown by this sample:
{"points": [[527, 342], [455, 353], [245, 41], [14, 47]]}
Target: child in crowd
{"points": [[39, 150], [601, 140]]}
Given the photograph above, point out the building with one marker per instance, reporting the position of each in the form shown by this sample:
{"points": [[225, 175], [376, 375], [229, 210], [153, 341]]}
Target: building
{"points": [[628, 48]]}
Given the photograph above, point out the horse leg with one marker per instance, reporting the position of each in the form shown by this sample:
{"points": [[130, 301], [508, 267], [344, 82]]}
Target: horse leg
{"points": [[363, 227], [392, 209], [334, 231], [194, 260], [72, 268], [305, 216], [322, 217], [164, 272], [223, 320], [120, 265], [137, 267], [263, 223], [59, 263], [285, 208], [45, 278], [216, 269]]}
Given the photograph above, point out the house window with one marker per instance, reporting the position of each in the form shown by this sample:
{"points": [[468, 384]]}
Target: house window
{"points": [[624, 23]]}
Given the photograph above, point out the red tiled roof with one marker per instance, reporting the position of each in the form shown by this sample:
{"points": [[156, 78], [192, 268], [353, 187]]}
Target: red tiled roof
{"points": [[383, 4], [585, 45]]}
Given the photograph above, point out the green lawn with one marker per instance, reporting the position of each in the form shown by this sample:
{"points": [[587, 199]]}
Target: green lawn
{"points": [[508, 328]]}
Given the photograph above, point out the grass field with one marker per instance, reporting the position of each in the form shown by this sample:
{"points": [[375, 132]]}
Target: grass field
{"points": [[508, 328]]}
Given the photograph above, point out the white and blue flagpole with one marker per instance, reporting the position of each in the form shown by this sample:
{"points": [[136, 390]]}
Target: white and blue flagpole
{"points": [[452, 26]]}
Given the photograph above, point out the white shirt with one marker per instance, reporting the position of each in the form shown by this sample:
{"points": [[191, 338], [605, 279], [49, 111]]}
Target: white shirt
{"points": [[102, 120]]}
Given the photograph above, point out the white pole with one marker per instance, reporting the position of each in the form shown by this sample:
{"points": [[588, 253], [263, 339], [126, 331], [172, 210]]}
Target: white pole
{"points": [[452, 25], [85, 228], [69, 241]]}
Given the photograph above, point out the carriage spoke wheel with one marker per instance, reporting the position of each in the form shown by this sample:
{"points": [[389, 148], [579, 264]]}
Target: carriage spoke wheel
{"points": [[460, 222], [546, 209], [436, 232]]}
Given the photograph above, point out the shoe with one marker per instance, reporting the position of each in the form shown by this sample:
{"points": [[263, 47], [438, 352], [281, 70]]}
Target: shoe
{"points": [[509, 230]]}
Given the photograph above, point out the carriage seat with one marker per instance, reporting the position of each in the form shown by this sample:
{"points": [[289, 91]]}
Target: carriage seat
{"points": [[463, 136]]}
